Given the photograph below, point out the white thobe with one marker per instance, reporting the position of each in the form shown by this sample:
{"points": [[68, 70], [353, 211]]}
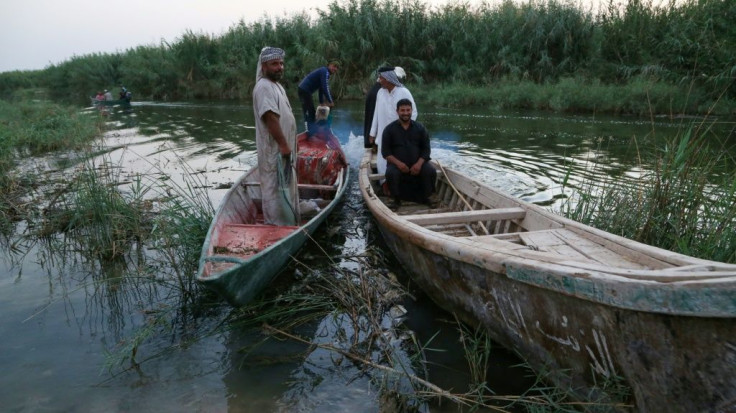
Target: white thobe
{"points": [[270, 96], [385, 113]]}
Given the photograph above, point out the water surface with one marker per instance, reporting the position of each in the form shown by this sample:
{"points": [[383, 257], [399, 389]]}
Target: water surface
{"points": [[60, 316]]}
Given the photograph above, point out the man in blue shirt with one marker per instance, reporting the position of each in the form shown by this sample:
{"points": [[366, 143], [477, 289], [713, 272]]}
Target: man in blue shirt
{"points": [[317, 80]]}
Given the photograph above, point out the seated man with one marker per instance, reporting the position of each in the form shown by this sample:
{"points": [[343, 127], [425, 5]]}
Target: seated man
{"points": [[406, 148]]}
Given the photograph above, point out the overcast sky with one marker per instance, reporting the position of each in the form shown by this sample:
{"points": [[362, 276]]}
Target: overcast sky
{"points": [[37, 33]]}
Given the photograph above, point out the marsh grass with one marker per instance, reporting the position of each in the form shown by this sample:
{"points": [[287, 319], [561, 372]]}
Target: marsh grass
{"points": [[150, 229], [477, 346], [96, 215], [638, 96], [607, 395], [686, 203], [109, 216], [32, 126]]}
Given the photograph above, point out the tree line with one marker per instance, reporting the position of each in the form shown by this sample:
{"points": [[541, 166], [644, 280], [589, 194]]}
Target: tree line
{"points": [[689, 43]]}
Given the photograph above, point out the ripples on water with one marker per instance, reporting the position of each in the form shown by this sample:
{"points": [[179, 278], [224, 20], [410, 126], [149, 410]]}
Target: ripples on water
{"points": [[57, 321]]}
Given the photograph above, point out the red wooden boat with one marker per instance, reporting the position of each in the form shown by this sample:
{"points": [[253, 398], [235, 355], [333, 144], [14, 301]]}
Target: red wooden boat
{"points": [[241, 255]]}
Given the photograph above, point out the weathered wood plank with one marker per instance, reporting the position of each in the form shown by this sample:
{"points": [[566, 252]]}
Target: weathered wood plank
{"points": [[595, 251], [317, 187], [300, 186], [492, 199], [466, 216], [647, 260]]}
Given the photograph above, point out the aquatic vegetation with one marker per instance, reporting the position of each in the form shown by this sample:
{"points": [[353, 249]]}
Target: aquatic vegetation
{"points": [[686, 203], [30, 128]]}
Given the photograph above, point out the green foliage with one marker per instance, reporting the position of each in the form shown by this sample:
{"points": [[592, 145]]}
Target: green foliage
{"points": [[682, 42], [686, 204], [149, 71], [11, 82], [32, 127], [638, 96], [180, 226], [97, 218], [686, 44], [35, 127]]}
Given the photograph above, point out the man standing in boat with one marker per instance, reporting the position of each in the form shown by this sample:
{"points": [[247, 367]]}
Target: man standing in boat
{"points": [[317, 80], [392, 91], [406, 149], [370, 102], [275, 141]]}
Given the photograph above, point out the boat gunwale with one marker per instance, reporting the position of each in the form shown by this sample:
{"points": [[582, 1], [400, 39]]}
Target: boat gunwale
{"points": [[497, 256]]}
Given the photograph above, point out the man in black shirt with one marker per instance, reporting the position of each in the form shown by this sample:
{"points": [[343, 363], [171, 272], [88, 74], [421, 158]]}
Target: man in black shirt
{"points": [[406, 148]]}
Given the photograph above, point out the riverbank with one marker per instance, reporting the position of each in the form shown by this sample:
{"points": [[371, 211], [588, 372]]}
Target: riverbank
{"points": [[639, 97], [31, 126]]}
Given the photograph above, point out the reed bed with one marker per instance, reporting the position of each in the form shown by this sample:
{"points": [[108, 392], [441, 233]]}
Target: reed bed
{"points": [[677, 44], [686, 203], [31, 126]]}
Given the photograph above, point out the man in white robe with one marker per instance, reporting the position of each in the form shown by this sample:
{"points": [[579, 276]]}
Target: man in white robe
{"points": [[275, 141], [392, 91]]}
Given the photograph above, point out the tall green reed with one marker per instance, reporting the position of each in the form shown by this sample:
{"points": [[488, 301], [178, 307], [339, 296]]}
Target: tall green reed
{"points": [[685, 203], [681, 43]]}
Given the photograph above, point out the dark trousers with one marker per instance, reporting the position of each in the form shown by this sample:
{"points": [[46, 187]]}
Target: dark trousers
{"points": [[407, 187], [308, 111]]}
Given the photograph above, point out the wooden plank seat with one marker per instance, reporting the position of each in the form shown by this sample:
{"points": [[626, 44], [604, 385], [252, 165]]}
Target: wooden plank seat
{"points": [[565, 243], [332, 188], [328, 188], [461, 217]]}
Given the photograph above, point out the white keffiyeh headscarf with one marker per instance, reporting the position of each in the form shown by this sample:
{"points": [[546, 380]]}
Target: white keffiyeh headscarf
{"points": [[391, 77], [268, 53]]}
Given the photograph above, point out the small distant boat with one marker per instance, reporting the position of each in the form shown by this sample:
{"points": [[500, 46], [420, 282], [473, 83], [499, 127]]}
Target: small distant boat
{"points": [[597, 311], [241, 255], [117, 102]]}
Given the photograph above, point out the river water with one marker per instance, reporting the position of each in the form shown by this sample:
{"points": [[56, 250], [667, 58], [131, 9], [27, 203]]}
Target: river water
{"points": [[60, 319]]}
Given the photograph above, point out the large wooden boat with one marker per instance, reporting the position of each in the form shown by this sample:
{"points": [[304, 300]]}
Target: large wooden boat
{"points": [[604, 315], [241, 255]]}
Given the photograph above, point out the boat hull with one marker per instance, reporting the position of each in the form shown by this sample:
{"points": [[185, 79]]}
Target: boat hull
{"points": [[241, 255], [607, 320], [579, 343], [245, 281]]}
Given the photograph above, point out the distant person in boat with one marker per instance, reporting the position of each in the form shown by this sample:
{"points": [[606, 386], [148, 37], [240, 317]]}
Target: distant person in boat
{"points": [[316, 81], [108, 95], [370, 101], [275, 141], [392, 91], [99, 97], [125, 94], [406, 149]]}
